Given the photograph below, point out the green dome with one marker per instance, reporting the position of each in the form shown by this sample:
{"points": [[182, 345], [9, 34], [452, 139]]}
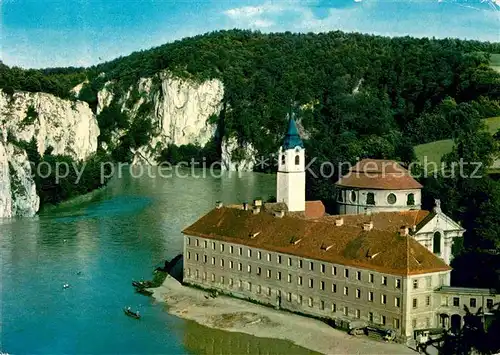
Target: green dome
{"points": [[292, 138]]}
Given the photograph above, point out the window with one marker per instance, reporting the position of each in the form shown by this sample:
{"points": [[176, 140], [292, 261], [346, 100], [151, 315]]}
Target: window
{"points": [[358, 313], [268, 257], [370, 278], [278, 275], [370, 198], [414, 323], [322, 285], [398, 283], [397, 302], [436, 243], [289, 297], [334, 270], [410, 200], [297, 160], [213, 277], [289, 261], [334, 288], [230, 264], [300, 264], [189, 255], [259, 255], [231, 281], [383, 320], [268, 274], [240, 266], [189, 272], [442, 280], [205, 258], [269, 291], [322, 305], [213, 245], [415, 284], [289, 278], [249, 286], [249, 253], [259, 270], [346, 311], [311, 266], [346, 273], [205, 244], [222, 248], [396, 323], [370, 317], [383, 299], [334, 307], [415, 303], [204, 275], [197, 243], [322, 268], [283, 159], [240, 283], [240, 251], [428, 280], [311, 302], [299, 280], [358, 275], [456, 302], [353, 196], [370, 296], [346, 291], [427, 300], [384, 280], [391, 199], [311, 283], [299, 299], [358, 293], [231, 249], [278, 258], [473, 302], [222, 262], [259, 288], [222, 280], [197, 257], [249, 268], [197, 273], [489, 303], [189, 241]]}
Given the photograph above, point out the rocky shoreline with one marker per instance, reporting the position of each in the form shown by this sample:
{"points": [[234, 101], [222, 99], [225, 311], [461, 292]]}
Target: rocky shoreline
{"points": [[233, 315]]}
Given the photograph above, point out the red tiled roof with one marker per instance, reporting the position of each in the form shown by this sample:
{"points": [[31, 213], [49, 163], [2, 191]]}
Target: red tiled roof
{"points": [[378, 250], [314, 209], [379, 174]]}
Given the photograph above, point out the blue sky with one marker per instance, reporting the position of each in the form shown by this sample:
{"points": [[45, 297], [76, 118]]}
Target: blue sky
{"points": [[48, 33]]}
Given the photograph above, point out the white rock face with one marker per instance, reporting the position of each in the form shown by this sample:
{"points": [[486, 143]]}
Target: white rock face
{"points": [[180, 111], [70, 128], [229, 148]]}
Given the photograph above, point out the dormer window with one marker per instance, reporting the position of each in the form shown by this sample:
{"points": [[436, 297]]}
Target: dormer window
{"points": [[410, 201], [353, 196], [370, 198], [297, 159], [436, 243]]}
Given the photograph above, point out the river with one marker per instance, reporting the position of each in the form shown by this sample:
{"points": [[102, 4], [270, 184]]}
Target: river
{"points": [[98, 247]]}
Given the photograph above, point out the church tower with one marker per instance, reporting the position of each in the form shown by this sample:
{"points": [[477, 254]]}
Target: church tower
{"points": [[291, 180]]}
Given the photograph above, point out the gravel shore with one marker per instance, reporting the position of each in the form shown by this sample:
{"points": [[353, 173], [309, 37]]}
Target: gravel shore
{"points": [[235, 315]]}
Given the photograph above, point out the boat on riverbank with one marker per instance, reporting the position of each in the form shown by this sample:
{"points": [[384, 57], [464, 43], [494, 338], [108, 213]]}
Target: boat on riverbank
{"points": [[132, 314]]}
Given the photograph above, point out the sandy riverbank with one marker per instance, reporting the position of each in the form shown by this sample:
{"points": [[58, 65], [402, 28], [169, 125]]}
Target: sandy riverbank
{"points": [[235, 315]]}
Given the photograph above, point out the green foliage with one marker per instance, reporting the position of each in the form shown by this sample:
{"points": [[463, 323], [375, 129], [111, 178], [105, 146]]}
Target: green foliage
{"points": [[109, 119], [190, 153], [31, 116]]}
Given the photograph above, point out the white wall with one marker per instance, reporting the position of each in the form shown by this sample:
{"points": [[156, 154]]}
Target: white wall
{"points": [[349, 206], [291, 179]]}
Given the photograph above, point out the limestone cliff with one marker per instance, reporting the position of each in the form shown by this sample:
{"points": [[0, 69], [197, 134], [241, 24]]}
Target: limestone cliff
{"points": [[68, 127]]}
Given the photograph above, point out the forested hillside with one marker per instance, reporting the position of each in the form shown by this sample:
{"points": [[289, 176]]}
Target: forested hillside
{"points": [[354, 95]]}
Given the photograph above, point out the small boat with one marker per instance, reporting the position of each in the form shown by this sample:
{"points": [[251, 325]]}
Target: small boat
{"points": [[132, 314], [65, 285]]}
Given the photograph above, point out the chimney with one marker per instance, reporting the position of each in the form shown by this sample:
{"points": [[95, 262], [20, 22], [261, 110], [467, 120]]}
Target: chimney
{"points": [[279, 214], [257, 202], [339, 222], [414, 228], [403, 231], [368, 226], [245, 206], [218, 204], [256, 210]]}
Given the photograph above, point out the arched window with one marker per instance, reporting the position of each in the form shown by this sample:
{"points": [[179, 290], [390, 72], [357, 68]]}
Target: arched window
{"points": [[282, 159], [436, 243], [353, 196], [391, 199], [370, 198], [340, 196], [410, 201], [297, 159]]}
